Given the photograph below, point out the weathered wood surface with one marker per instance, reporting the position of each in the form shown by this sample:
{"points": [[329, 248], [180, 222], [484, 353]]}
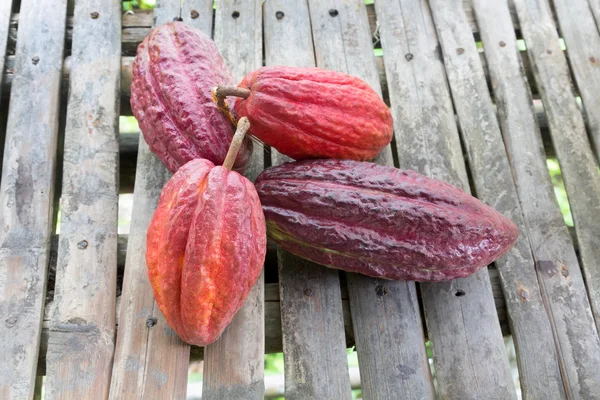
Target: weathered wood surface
{"points": [[386, 319], [127, 62], [234, 364], [272, 327], [582, 37], [578, 165], [126, 74], [560, 281], [122, 241], [494, 184], [150, 359], [81, 341], [137, 24], [5, 7], [311, 307], [466, 342], [26, 192]]}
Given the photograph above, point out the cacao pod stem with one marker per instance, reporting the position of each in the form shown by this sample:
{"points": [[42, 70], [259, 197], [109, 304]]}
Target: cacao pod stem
{"points": [[223, 91], [220, 92], [242, 127]]}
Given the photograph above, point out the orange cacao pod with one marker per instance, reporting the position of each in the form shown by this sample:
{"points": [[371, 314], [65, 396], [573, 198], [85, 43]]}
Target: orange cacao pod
{"points": [[205, 249], [313, 113]]}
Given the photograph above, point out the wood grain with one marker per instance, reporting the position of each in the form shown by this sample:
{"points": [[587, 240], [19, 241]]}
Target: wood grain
{"points": [[81, 341], [530, 326], [578, 28], [311, 308], [234, 364], [577, 162], [150, 359], [569, 315], [272, 327], [387, 327], [127, 62], [123, 239], [136, 25], [26, 192], [466, 341]]}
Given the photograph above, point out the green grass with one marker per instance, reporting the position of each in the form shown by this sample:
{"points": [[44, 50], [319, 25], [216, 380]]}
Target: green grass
{"points": [[559, 190], [128, 124], [139, 4], [274, 364], [194, 377]]}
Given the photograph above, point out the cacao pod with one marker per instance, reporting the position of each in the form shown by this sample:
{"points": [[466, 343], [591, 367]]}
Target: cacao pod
{"points": [[174, 71], [205, 249], [380, 221], [313, 113]]}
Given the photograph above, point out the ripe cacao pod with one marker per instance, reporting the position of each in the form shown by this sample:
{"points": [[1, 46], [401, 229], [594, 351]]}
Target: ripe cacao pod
{"points": [[313, 113], [205, 249], [380, 221], [174, 71]]}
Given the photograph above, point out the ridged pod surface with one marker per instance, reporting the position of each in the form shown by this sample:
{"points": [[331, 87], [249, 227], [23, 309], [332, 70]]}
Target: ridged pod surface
{"points": [[380, 221], [315, 113], [205, 250], [174, 71]]}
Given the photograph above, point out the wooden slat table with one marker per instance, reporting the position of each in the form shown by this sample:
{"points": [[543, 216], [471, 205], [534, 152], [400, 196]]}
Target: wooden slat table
{"points": [[26, 191], [543, 223], [82, 331], [484, 120]]}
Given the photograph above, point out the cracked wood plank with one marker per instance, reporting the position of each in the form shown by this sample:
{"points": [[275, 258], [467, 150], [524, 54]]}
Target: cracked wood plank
{"points": [[81, 340], [578, 164], [531, 327], [560, 279], [578, 28], [26, 192]]}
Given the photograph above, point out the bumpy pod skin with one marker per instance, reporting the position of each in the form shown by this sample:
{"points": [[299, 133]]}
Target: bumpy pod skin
{"points": [[205, 250], [174, 71], [380, 221], [315, 113]]}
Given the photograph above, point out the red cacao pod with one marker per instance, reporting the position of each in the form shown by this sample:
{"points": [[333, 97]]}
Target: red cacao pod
{"points": [[205, 249], [313, 113], [380, 221], [174, 72]]}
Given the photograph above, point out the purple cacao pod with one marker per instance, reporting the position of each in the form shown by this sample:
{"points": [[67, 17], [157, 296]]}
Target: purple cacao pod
{"points": [[174, 72], [380, 221]]}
